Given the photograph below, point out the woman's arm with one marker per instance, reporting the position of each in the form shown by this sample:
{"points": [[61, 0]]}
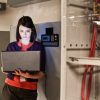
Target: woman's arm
{"points": [[38, 75]]}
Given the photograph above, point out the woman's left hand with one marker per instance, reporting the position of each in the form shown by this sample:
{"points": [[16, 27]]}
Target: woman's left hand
{"points": [[21, 73], [38, 75]]}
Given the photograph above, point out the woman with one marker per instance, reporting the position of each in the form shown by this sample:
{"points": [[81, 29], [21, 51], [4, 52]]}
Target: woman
{"points": [[23, 85]]}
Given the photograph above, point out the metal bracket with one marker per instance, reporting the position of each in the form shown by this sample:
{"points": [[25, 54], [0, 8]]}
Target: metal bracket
{"points": [[84, 61]]}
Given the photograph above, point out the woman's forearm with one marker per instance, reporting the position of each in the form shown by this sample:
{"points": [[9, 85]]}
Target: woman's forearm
{"points": [[38, 75]]}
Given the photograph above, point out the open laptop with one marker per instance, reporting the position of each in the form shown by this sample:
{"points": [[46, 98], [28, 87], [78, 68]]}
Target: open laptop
{"points": [[23, 60]]}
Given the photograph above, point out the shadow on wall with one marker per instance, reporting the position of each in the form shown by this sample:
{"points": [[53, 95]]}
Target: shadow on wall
{"points": [[53, 73], [53, 86]]}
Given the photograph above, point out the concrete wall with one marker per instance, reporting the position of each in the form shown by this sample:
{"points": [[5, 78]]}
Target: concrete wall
{"points": [[41, 12]]}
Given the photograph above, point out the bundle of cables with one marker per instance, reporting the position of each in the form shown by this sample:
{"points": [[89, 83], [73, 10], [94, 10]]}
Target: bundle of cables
{"points": [[97, 1], [89, 68]]}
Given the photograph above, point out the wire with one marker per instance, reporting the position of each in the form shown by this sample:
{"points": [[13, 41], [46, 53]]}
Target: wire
{"points": [[91, 54]]}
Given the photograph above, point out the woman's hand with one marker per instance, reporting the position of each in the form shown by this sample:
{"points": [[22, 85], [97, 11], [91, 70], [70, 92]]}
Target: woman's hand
{"points": [[38, 75], [21, 73]]}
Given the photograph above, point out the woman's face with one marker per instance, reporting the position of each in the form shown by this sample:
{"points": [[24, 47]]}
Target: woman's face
{"points": [[24, 32]]}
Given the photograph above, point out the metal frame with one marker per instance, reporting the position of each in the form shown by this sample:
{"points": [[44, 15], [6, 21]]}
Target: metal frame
{"points": [[84, 61], [63, 49]]}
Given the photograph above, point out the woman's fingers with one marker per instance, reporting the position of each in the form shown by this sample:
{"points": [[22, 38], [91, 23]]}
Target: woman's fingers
{"points": [[21, 73], [16, 72]]}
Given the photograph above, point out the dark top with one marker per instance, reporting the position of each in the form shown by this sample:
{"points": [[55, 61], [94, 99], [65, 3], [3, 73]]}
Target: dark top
{"points": [[37, 46]]}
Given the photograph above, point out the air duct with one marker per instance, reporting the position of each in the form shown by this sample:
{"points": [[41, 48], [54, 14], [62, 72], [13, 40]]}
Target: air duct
{"points": [[19, 3]]}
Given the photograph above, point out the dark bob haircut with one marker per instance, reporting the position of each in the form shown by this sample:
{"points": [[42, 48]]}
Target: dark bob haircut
{"points": [[26, 21]]}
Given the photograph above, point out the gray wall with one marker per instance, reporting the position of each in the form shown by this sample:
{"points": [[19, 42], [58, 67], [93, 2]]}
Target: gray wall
{"points": [[4, 40]]}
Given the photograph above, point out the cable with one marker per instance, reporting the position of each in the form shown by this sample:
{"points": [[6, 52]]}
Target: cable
{"points": [[91, 54]]}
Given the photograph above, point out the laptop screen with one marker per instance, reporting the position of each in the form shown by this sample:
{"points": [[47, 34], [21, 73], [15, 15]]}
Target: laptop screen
{"points": [[24, 60]]}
